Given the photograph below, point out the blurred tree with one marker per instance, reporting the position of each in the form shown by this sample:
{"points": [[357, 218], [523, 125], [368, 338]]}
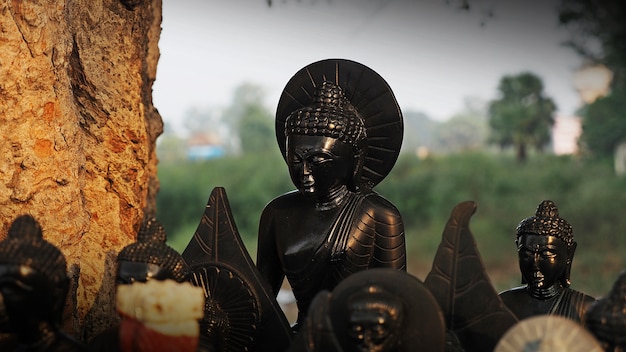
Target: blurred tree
{"points": [[170, 146], [256, 129], [249, 119], [522, 117], [604, 124], [598, 33], [418, 131], [198, 120], [465, 131]]}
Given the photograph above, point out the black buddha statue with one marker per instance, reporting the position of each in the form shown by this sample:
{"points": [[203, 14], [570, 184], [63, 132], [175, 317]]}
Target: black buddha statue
{"points": [[377, 310], [339, 129], [33, 289], [606, 317], [545, 246], [149, 258]]}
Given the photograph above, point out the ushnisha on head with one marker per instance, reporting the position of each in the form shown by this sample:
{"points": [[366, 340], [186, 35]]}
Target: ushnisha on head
{"points": [[330, 115], [326, 142], [547, 222], [546, 247], [33, 276], [150, 257]]}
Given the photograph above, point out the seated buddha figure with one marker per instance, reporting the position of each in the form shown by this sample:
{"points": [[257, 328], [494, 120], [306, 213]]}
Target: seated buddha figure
{"points": [[339, 138], [149, 258], [545, 247], [33, 289]]}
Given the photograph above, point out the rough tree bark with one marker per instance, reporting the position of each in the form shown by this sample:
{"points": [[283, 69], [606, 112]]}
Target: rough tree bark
{"points": [[78, 132]]}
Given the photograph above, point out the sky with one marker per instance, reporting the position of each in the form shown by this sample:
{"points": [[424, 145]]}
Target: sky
{"points": [[433, 55]]}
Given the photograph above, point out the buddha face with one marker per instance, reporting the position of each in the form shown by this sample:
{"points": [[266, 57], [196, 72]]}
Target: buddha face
{"points": [[130, 272], [373, 326], [542, 260], [318, 165], [25, 296]]}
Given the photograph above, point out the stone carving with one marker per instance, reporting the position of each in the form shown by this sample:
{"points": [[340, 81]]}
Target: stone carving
{"points": [[374, 310], [471, 307], [606, 317], [33, 289], [548, 333], [339, 129], [149, 258], [545, 247], [240, 312]]}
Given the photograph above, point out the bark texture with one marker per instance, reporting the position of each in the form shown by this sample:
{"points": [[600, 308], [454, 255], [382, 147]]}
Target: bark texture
{"points": [[78, 132]]}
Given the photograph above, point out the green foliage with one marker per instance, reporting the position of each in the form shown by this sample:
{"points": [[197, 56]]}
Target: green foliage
{"points": [[587, 193], [522, 117], [256, 129], [598, 33], [461, 133], [250, 181], [604, 124]]}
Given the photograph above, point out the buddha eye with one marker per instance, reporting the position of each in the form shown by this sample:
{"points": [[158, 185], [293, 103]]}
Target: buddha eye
{"points": [[320, 159], [548, 253], [295, 159], [526, 254]]}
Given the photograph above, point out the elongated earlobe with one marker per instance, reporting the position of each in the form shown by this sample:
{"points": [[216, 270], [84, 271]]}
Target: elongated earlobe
{"points": [[565, 279]]}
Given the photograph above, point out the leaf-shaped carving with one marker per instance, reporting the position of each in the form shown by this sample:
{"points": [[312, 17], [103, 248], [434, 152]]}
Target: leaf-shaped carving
{"points": [[217, 240], [459, 282]]}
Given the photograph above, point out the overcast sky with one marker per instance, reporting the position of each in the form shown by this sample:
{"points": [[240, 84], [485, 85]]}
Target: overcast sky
{"points": [[432, 54]]}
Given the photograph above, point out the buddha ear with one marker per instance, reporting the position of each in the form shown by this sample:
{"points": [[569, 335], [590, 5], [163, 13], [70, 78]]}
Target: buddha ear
{"points": [[571, 249], [357, 169]]}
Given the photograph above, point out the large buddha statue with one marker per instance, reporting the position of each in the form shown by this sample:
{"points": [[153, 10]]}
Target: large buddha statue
{"points": [[545, 247], [339, 129], [33, 289]]}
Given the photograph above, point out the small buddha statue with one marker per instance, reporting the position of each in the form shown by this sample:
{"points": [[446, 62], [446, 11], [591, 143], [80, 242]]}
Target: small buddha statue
{"points": [[339, 129], [376, 310], [606, 317], [33, 289], [149, 258], [545, 247]]}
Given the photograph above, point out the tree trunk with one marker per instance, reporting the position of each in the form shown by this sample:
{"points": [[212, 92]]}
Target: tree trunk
{"points": [[78, 133], [521, 152]]}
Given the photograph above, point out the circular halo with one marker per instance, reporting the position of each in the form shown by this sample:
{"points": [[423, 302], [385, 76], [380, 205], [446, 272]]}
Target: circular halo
{"points": [[235, 297], [368, 92], [423, 328], [548, 333]]}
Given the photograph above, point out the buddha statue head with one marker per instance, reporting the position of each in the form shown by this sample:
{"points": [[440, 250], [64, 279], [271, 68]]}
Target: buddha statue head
{"points": [[150, 257], [338, 122], [545, 246], [375, 318], [33, 279], [326, 143]]}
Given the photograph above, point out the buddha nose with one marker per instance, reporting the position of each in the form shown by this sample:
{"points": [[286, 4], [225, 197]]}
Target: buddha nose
{"points": [[536, 260], [306, 168]]}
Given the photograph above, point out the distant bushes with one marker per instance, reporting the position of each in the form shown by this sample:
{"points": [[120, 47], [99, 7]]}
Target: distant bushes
{"points": [[587, 194]]}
